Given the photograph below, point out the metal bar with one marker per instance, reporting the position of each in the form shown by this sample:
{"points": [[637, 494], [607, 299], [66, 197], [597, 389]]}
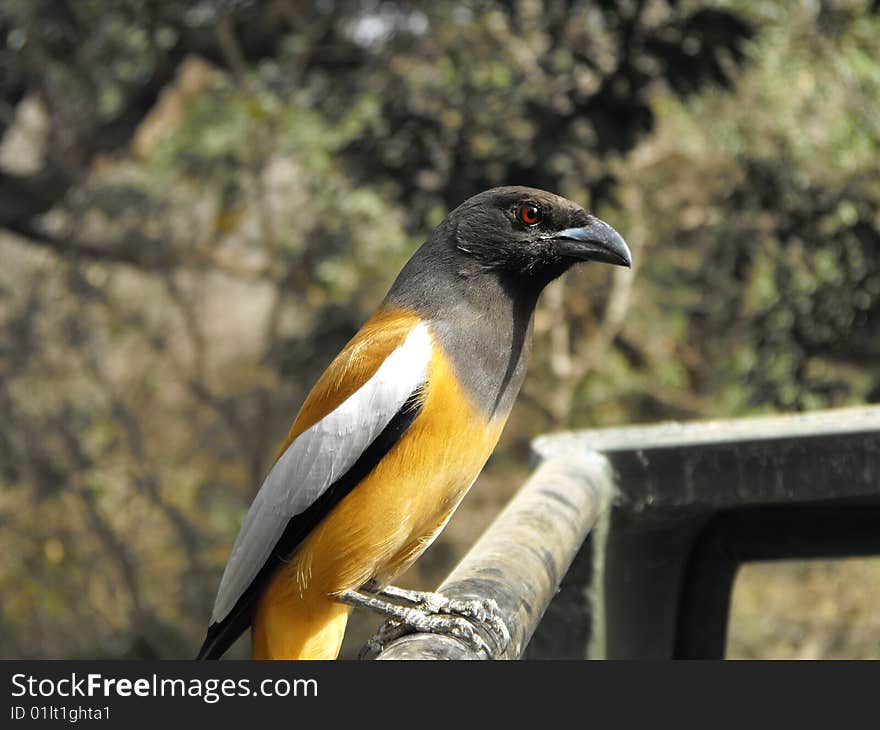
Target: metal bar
{"points": [[677, 468], [697, 499], [521, 558], [684, 435]]}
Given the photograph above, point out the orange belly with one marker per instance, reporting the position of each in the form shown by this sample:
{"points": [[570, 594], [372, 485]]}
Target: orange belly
{"points": [[381, 527]]}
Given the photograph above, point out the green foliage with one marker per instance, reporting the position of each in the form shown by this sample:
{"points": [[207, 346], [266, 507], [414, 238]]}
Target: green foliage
{"points": [[790, 238]]}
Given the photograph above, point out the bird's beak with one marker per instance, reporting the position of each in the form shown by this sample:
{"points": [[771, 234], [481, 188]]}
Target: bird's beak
{"points": [[596, 241]]}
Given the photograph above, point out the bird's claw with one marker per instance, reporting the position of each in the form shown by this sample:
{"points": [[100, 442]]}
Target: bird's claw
{"points": [[485, 612], [389, 631], [458, 627], [435, 613]]}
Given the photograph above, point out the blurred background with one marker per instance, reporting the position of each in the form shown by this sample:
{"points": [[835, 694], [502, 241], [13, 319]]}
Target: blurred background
{"points": [[201, 201]]}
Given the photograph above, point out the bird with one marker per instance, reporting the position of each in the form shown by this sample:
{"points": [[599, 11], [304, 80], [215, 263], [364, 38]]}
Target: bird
{"points": [[398, 427]]}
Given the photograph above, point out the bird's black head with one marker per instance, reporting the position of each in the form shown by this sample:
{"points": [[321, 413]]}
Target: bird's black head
{"points": [[530, 233]]}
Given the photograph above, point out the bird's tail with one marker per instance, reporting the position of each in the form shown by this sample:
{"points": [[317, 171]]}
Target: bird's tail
{"points": [[288, 625], [222, 635]]}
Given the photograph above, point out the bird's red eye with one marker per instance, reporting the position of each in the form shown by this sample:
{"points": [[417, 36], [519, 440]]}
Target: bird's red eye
{"points": [[530, 214]]}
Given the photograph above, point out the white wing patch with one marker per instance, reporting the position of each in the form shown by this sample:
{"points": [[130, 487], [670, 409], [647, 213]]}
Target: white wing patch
{"points": [[317, 458]]}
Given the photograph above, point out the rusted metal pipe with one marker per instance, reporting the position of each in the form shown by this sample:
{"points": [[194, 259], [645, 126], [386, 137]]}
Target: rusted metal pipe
{"points": [[521, 558]]}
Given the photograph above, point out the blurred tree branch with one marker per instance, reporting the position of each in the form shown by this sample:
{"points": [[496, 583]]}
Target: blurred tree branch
{"points": [[137, 251]]}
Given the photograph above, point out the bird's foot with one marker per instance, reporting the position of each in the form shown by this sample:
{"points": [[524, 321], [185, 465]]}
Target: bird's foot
{"points": [[390, 630], [433, 613], [425, 623], [483, 612]]}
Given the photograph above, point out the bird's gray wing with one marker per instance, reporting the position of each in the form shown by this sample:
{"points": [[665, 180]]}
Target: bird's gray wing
{"points": [[318, 457]]}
